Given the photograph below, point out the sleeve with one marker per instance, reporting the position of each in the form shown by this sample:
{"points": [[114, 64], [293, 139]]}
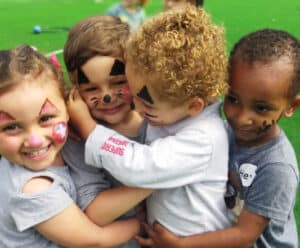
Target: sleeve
{"points": [[88, 180], [273, 192], [28, 210], [165, 163]]}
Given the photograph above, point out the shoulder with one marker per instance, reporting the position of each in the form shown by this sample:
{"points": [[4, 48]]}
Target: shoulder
{"points": [[37, 184]]}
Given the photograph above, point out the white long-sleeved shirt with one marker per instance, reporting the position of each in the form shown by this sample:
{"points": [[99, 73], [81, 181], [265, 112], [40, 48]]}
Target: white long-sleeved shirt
{"points": [[187, 164]]}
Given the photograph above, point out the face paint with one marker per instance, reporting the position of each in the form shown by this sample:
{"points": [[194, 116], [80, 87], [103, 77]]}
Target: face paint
{"points": [[81, 77], [48, 106], [35, 140], [60, 132], [265, 127], [95, 101], [125, 93], [106, 99], [144, 94], [118, 68], [4, 117]]}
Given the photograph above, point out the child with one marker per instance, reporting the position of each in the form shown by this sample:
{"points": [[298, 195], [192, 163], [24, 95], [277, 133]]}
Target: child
{"points": [[170, 4], [38, 196], [264, 82], [93, 56], [129, 11], [176, 68]]}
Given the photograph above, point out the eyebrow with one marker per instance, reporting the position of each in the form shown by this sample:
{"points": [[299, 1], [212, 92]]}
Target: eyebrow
{"points": [[144, 94], [4, 117], [118, 68], [48, 106]]}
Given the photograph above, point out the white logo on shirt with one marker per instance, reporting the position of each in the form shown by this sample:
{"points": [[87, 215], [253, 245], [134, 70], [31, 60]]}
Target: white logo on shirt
{"points": [[247, 174]]}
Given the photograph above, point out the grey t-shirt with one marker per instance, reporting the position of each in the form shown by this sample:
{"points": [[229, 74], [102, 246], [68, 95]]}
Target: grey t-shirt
{"points": [[89, 180], [20, 212], [268, 176]]}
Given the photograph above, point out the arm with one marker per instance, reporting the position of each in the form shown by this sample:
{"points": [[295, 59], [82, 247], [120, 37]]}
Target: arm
{"points": [[71, 228], [244, 234], [111, 204]]}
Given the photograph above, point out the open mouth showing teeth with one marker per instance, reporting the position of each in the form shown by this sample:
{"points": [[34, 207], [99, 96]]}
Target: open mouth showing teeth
{"points": [[37, 153]]}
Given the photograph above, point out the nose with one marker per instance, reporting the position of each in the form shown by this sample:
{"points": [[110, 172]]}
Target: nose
{"points": [[243, 117], [35, 140]]}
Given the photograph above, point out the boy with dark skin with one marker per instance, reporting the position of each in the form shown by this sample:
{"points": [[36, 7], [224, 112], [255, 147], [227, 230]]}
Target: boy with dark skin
{"points": [[264, 83]]}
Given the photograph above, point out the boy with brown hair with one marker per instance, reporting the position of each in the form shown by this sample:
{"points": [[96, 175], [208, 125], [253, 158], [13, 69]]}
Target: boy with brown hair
{"points": [[94, 57]]}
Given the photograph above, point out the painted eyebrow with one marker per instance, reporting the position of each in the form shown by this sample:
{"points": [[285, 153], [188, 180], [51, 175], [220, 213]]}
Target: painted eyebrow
{"points": [[48, 106], [81, 77], [118, 68], [144, 95], [5, 117]]}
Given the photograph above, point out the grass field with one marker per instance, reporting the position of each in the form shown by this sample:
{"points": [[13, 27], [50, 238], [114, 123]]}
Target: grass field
{"points": [[238, 17]]}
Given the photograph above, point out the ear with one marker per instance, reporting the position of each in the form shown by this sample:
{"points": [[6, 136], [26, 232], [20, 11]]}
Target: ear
{"points": [[293, 106], [196, 106]]}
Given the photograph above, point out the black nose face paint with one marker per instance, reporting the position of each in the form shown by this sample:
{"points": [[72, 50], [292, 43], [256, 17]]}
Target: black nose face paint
{"points": [[107, 99]]}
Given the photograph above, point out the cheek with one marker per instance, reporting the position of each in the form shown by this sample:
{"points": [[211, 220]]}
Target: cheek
{"points": [[60, 132], [10, 146]]}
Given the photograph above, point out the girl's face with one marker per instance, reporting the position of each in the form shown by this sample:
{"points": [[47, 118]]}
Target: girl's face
{"points": [[257, 99], [100, 84], [33, 124]]}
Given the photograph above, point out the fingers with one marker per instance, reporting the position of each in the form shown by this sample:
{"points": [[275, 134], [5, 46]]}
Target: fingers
{"points": [[149, 230], [144, 241], [74, 94], [157, 227]]}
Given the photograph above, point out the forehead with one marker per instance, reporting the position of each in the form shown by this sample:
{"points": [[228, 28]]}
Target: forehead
{"points": [[102, 68], [28, 99], [266, 80]]}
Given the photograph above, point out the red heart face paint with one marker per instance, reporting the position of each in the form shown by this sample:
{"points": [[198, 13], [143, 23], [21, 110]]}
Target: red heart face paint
{"points": [[60, 132]]}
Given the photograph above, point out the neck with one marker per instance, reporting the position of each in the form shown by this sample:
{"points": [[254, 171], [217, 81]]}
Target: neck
{"points": [[130, 125]]}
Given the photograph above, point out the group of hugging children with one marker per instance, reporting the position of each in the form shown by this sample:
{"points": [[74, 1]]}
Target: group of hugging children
{"points": [[151, 161]]}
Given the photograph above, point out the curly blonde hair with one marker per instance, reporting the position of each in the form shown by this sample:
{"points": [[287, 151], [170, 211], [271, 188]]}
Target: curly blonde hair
{"points": [[182, 53]]}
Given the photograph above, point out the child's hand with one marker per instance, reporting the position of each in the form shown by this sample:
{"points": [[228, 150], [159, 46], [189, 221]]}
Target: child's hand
{"points": [[158, 237], [79, 114]]}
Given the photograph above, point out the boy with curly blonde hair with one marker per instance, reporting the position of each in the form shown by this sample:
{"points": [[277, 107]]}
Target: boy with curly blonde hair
{"points": [[176, 67]]}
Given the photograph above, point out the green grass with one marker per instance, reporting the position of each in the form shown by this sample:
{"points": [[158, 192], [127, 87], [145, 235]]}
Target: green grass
{"points": [[238, 17]]}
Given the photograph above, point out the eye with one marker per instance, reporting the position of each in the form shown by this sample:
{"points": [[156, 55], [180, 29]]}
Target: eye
{"points": [[11, 128], [232, 99], [90, 89], [46, 118], [119, 83], [262, 108]]}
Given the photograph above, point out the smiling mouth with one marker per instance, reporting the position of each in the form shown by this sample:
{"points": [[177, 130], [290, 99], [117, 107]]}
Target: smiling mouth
{"points": [[113, 110], [38, 154]]}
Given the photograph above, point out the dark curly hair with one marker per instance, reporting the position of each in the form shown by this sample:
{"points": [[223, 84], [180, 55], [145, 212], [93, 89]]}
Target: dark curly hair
{"points": [[266, 46]]}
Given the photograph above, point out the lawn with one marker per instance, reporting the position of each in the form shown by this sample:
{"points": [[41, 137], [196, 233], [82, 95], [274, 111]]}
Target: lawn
{"points": [[238, 17]]}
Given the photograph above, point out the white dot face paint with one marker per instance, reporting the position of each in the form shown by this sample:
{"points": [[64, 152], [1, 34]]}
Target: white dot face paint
{"points": [[60, 132]]}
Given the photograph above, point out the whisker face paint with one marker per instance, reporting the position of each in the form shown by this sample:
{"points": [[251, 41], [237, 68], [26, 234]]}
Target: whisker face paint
{"points": [[60, 132], [125, 93], [81, 77], [266, 127], [95, 101], [118, 68], [144, 94]]}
